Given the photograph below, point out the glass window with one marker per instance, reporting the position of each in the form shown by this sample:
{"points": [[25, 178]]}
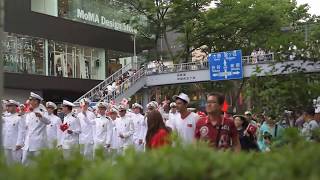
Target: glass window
{"points": [[49, 7], [24, 54], [75, 61]]}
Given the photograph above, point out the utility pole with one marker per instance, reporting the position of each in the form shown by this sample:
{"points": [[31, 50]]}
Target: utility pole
{"points": [[1, 61]]}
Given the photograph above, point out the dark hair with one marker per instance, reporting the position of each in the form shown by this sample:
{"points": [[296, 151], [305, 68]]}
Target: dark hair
{"points": [[219, 96], [69, 108], [184, 101], [310, 111], [155, 122], [243, 119]]}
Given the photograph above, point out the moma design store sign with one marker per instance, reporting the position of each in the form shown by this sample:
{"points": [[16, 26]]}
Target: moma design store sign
{"points": [[103, 21]]}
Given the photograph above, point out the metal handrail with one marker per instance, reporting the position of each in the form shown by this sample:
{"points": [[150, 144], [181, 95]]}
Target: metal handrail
{"points": [[106, 82], [204, 65], [258, 59], [125, 85]]}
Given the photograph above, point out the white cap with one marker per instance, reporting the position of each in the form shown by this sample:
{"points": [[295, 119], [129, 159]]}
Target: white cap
{"points": [[12, 102], [183, 97], [122, 107], [113, 110], [101, 104], [173, 104], [84, 101], [51, 104], [35, 96], [67, 103], [136, 105], [152, 104]]}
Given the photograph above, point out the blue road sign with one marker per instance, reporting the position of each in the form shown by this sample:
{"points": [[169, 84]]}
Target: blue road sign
{"points": [[225, 65]]}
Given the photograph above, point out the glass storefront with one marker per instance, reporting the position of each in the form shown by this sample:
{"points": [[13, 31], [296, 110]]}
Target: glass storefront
{"points": [[67, 60], [25, 54]]}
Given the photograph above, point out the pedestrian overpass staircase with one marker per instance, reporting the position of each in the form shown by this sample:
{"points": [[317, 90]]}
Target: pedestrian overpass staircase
{"points": [[195, 72]]}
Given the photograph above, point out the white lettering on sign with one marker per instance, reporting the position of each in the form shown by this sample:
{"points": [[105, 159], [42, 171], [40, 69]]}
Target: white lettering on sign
{"points": [[88, 16], [111, 24]]}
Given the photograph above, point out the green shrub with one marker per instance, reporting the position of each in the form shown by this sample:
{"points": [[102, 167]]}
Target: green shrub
{"points": [[293, 160]]}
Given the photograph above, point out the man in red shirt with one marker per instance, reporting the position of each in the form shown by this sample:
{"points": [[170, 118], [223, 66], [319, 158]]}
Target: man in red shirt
{"points": [[218, 131]]}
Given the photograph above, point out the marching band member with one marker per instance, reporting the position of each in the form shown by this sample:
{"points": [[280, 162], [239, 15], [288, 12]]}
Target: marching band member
{"points": [[126, 127], [102, 128], [53, 129], [36, 134], [13, 133], [86, 118], [70, 129], [140, 127]]}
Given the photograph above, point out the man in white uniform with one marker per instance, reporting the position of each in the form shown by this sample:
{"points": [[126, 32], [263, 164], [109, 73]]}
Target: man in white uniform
{"points": [[140, 127], [36, 124], [102, 128], [13, 133], [173, 111], [53, 129], [70, 130], [116, 141], [184, 124], [86, 118], [126, 128]]}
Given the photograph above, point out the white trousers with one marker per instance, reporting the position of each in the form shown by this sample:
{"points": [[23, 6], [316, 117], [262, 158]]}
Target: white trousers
{"points": [[13, 156], [27, 155], [87, 151]]}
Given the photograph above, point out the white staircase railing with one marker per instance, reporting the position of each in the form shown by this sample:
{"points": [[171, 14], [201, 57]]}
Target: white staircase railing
{"points": [[125, 86], [101, 86]]}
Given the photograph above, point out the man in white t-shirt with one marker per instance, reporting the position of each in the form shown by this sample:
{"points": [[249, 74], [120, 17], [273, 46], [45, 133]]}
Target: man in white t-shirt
{"points": [[184, 124]]}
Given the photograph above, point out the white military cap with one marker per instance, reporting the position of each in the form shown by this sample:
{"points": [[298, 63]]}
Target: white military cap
{"points": [[113, 110], [122, 107], [12, 102], [51, 104], [84, 100], [183, 97], [67, 103], [152, 104], [248, 113], [35, 96], [136, 105], [173, 104], [102, 104]]}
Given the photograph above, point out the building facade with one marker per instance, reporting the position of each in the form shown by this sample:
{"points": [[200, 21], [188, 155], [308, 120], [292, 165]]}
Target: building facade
{"points": [[63, 48]]}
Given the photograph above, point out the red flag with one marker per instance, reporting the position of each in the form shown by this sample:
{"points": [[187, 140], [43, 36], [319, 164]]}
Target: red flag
{"points": [[225, 106]]}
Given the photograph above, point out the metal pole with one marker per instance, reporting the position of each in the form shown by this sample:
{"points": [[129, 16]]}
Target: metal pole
{"points": [[134, 51], [1, 63], [306, 33]]}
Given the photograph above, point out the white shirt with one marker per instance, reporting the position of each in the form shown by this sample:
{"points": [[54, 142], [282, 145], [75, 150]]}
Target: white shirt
{"points": [[102, 130], [184, 127], [69, 140], [140, 128], [87, 125], [36, 134], [13, 131], [126, 128], [116, 141], [53, 129]]}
